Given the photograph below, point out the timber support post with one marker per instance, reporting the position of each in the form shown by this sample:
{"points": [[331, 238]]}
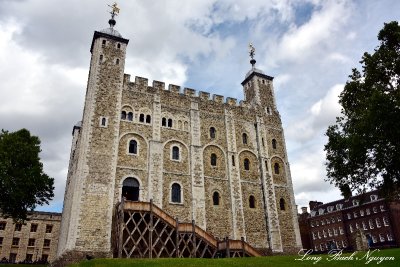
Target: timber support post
{"points": [[151, 230]]}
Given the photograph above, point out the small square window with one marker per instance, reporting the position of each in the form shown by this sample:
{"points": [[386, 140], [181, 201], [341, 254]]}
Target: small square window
{"points": [[49, 228], [46, 243], [18, 227], [15, 241], [34, 227], [31, 242]]}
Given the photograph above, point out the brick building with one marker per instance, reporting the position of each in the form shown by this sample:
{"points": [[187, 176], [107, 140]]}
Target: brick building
{"points": [[35, 240], [220, 163], [337, 224]]}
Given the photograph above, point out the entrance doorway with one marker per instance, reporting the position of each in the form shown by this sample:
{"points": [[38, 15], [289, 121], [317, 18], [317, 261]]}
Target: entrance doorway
{"points": [[130, 189]]}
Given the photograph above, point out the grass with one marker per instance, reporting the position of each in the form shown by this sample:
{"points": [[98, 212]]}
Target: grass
{"points": [[21, 265], [359, 259]]}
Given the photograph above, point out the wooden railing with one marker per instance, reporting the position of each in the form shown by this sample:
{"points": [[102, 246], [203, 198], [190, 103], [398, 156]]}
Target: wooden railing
{"points": [[225, 245]]}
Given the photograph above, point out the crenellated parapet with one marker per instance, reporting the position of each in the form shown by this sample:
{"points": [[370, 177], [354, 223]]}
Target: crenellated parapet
{"points": [[142, 84]]}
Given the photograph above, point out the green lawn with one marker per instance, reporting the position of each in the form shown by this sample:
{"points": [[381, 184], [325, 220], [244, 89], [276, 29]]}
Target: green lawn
{"points": [[359, 259]]}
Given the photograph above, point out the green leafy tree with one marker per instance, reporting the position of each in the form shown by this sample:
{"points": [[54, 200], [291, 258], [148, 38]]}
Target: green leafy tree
{"points": [[363, 150], [23, 184]]}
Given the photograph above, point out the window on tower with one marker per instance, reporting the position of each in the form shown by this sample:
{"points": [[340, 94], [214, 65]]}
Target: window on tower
{"points": [[117, 61], [103, 43], [101, 58], [118, 45], [246, 164], [176, 193], [252, 202], [123, 115], [276, 168], [273, 143], [282, 204], [133, 147], [244, 138], [164, 122], [175, 153], [213, 159], [212, 132], [141, 117], [148, 119], [170, 123], [215, 198], [130, 116]]}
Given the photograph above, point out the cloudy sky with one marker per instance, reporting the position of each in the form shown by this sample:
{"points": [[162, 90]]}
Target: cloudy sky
{"points": [[309, 46]]}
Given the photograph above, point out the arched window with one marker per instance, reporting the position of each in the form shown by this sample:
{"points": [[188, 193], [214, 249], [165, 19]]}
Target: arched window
{"points": [[130, 189], [118, 45], [123, 115], [215, 198], [101, 58], [246, 163], [233, 160], [141, 118], [130, 116], [213, 159], [244, 138], [148, 119], [176, 193], [164, 122], [212, 132], [117, 61], [273, 143], [132, 147], [252, 202], [103, 121], [170, 123], [175, 153], [282, 204], [103, 43], [276, 168]]}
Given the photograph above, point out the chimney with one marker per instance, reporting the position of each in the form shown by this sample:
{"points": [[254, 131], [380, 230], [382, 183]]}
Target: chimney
{"points": [[303, 210]]}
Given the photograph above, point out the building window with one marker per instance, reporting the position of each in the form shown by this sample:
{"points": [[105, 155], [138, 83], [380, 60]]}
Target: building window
{"points": [[389, 237], [361, 212], [371, 224], [170, 123], [356, 202], [175, 153], [46, 243], [130, 116], [15, 241], [2, 225], [130, 189], [276, 168], [355, 214], [273, 143], [49, 228], [164, 122], [244, 138], [364, 226], [339, 206], [252, 202], [385, 221], [101, 58], [103, 43], [103, 122], [29, 258], [215, 198], [117, 61], [148, 119], [246, 164], [176, 193], [133, 147], [123, 115], [13, 257], [1, 240], [351, 228], [45, 257], [381, 238], [373, 197], [378, 223], [382, 207], [118, 45], [213, 159], [141, 117], [18, 227], [348, 216], [367, 211], [375, 209], [31, 242], [212, 132], [282, 204], [341, 230], [233, 160]]}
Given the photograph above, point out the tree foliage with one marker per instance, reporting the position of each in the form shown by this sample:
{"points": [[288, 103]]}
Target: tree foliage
{"points": [[363, 150], [23, 184]]}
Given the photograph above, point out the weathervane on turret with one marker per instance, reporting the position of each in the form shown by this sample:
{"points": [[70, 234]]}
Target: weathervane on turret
{"points": [[252, 52], [114, 12]]}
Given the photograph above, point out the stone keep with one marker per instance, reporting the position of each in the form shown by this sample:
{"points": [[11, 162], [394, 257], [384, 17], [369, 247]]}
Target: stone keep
{"points": [[249, 175]]}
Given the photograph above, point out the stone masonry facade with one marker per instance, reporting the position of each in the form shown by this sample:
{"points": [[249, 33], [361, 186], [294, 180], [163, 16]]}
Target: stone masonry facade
{"points": [[35, 240], [227, 159]]}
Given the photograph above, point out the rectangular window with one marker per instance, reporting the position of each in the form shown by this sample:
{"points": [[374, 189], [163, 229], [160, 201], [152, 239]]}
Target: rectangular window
{"points": [[34, 227], [18, 227], [13, 257], [15, 241], [31, 242], [3, 226], [49, 228], [45, 257], [1, 240], [29, 257], [46, 243]]}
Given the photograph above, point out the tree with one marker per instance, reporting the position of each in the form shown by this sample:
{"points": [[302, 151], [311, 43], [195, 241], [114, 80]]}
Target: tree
{"points": [[23, 184], [363, 149]]}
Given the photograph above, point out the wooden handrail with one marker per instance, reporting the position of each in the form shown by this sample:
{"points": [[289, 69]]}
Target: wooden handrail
{"points": [[188, 227]]}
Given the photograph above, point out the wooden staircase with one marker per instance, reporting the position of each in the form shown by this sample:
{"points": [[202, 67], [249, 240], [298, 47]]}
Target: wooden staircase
{"points": [[143, 230]]}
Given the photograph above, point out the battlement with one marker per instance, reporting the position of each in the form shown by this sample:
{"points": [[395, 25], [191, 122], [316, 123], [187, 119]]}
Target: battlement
{"points": [[157, 86]]}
